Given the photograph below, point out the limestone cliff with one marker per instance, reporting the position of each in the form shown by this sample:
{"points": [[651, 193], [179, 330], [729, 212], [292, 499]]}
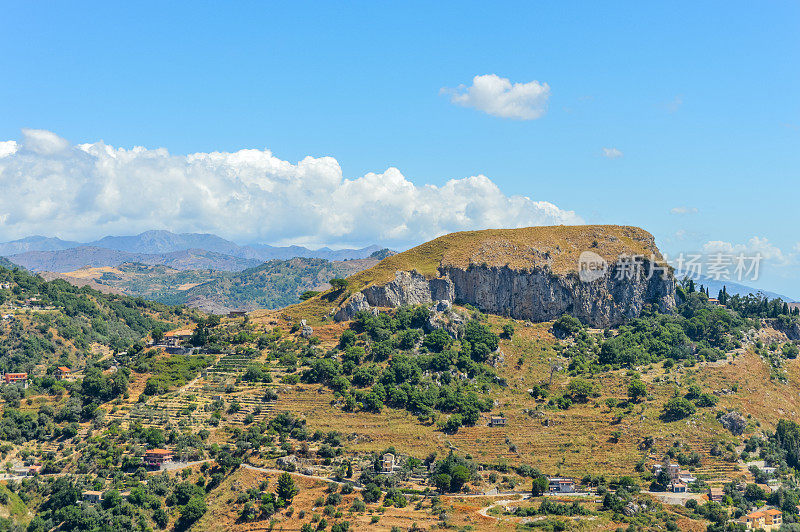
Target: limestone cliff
{"points": [[532, 279]]}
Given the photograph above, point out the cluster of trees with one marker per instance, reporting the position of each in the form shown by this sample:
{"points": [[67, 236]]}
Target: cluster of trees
{"points": [[696, 330], [268, 502], [390, 361]]}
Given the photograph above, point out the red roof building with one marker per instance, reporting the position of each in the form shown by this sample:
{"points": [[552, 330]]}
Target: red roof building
{"points": [[15, 377]]}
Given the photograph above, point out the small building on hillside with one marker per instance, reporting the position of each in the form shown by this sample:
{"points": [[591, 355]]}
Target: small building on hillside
{"points": [[62, 372], [156, 457], [561, 485], [714, 301], [497, 421], [677, 486], [237, 313], [178, 335], [8, 378], [93, 497], [767, 520], [716, 494], [388, 464]]}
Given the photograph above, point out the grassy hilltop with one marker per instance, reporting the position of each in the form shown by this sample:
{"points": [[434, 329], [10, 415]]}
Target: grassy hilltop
{"points": [[554, 247]]}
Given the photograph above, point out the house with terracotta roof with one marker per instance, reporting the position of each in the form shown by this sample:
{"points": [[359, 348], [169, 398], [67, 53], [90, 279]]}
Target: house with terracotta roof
{"points": [[179, 334], [676, 486], [62, 372], [8, 378], [768, 520], [156, 457]]}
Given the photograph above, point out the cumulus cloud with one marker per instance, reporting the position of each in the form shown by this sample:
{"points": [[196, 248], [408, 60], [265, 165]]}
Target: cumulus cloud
{"points": [[500, 97], [89, 190], [612, 153], [684, 210], [756, 245]]}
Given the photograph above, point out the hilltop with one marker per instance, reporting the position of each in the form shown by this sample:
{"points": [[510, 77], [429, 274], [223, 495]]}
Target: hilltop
{"points": [[528, 273]]}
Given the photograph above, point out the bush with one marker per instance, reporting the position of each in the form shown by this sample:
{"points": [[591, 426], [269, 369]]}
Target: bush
{"points": [[566, 325], [637, 390], [371, 493], [678, 408], [580, 389]]}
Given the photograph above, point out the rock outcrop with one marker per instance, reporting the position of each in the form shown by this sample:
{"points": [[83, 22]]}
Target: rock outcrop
{"points": [[535, 294]]}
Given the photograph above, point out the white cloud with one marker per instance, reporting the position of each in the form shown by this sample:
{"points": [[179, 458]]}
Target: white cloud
{"points": [[683, 210], [7, 148], [90, 190], [612, 153], [497, 96], [755, 245]]}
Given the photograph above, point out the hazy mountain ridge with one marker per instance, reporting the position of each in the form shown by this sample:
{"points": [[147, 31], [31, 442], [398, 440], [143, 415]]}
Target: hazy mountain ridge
{"points": [[163, 242], [67, 260]]}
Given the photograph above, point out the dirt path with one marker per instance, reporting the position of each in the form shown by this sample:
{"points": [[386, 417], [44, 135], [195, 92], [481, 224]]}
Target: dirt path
{"points": [[313, 477], [485, 510]]}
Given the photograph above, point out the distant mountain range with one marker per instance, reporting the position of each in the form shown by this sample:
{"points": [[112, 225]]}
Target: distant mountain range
{"points": [[180, 251]]}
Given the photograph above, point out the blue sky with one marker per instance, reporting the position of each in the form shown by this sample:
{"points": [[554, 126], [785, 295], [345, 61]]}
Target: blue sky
{"points": [[699, 100]]}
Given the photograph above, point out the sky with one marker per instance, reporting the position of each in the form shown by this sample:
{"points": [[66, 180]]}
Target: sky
{"points": [[356, 123]]}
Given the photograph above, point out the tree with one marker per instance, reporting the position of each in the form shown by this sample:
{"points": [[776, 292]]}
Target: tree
{"points": [[540, 485], [580, 389], [338, 284], [790, 350], [437, 341], [442, 482], [508, 330], [308, 294], [678, 408], [459, 475], [637, 390], [372, 493], [191, 512], [287, 489], [157, 335]]}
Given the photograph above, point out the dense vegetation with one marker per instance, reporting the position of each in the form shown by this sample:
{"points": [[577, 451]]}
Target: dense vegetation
{"points": [[56, 323], [388, 360]]}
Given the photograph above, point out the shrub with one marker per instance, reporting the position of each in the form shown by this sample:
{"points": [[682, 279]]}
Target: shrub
{"points": [[678, 408]]}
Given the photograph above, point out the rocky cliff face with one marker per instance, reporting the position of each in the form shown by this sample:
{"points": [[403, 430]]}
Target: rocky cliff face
{"points": [[535, 294]]}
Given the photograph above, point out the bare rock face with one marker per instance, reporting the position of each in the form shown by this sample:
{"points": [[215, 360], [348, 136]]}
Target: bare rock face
{"points": [[536, 294]]}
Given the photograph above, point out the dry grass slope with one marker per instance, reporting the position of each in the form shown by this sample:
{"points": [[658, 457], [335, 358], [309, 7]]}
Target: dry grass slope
{"points": [[555, 247]]}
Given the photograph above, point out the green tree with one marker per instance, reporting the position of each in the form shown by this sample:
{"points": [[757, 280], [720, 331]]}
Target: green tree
{"points": [[338, 284], [637, 390], [540, 485], [191, 512], [678, 408], [287, 488], [580, 389]]}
